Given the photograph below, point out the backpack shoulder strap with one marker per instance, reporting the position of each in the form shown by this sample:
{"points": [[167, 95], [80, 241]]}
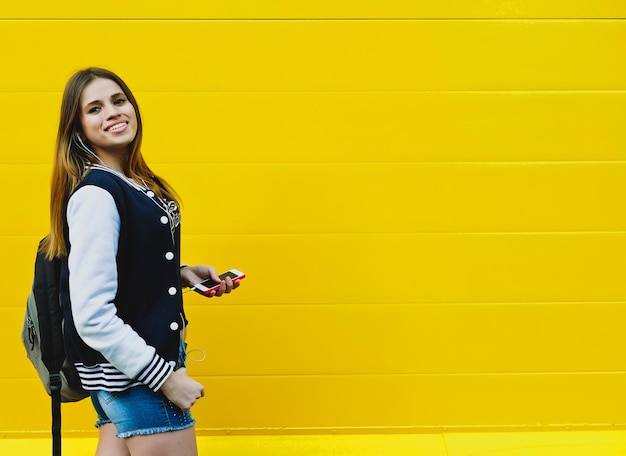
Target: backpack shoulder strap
{"points": [[46, 292]]}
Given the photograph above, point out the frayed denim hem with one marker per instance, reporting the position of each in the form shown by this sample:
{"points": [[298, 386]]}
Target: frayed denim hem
{"points": [[101, 422], [125, 435]]}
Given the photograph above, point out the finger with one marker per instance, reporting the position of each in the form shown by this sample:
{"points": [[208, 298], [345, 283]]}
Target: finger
{"points": [[213, 273], [229, 285], [221, 289]]}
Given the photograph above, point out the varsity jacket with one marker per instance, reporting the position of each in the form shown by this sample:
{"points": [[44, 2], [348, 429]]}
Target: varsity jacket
{"points": [[120, 283]]}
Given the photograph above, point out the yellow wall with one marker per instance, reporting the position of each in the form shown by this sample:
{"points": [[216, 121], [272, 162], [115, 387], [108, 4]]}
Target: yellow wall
{"points": [[427, 198]]}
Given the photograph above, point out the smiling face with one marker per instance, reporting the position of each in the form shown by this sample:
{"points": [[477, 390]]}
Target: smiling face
{"points": [[108, 119]]}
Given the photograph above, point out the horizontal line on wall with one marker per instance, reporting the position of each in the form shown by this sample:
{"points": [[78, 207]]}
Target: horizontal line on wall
{"points": [[348, 430], [416, 233], [376, 91], [424, 374], [391, 430], [219, 303], [316, 19], [396, 163], [421, 374], [368, 163], [364, 234], [425, 303], [404, 374], [358, 163]]}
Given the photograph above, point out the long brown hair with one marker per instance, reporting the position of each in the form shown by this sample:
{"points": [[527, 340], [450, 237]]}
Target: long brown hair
{"points": [[71, 162]]}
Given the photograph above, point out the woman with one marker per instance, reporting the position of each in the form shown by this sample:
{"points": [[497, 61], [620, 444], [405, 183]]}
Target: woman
{"points": [[117, 227]]}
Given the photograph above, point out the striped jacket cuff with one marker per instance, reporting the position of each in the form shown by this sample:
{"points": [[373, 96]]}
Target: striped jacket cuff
{"points": [[155, 374]]}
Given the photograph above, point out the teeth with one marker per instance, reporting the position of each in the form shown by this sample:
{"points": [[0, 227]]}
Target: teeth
{"points": [[117, 126]]}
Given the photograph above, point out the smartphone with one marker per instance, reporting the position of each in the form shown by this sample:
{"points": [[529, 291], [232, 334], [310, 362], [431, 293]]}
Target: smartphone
{"points": [[205, 288]]}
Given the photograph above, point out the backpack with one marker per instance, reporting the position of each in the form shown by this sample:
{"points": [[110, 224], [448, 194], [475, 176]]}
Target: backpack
{"points": [[42, 336]]}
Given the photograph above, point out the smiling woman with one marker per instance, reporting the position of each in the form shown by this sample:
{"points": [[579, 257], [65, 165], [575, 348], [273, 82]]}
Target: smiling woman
{"points": [[110, 217]]}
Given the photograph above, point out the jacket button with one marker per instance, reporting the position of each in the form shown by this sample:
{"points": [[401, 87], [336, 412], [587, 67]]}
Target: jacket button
{"points": [[173, 326], [164, 220], [150, 193], [172, 291], [169, 256]]}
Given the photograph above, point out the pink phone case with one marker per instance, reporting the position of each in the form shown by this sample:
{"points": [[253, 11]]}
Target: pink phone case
{"points": [[208, 289]]}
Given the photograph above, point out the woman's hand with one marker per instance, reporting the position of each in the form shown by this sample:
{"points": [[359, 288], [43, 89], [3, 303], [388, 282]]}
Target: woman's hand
{"points": [[182, 390], [192, 275]]}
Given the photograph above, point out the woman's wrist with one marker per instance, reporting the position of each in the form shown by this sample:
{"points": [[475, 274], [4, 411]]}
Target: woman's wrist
{"points": [[183, 280]]}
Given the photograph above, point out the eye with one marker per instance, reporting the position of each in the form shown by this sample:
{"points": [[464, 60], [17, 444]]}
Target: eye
{"points": [[94, 110], [119, 101]]}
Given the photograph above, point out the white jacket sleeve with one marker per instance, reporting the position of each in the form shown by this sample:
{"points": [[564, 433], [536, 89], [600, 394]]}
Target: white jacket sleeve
{"points": [[94, 230]]}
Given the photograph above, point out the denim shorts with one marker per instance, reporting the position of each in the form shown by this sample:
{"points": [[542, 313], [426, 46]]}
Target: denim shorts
{"points": [[140, 411]]}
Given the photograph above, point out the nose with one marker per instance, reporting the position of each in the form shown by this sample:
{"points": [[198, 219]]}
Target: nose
{"points": [[111, 110]]}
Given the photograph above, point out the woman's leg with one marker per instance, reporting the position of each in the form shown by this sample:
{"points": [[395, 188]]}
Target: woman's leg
{"points": [[108, 444], [142, 418], [173, 443]]}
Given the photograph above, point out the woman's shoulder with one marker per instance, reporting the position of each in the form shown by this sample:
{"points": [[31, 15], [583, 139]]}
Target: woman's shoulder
{"points": [[98, 175], [107, 180]]}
